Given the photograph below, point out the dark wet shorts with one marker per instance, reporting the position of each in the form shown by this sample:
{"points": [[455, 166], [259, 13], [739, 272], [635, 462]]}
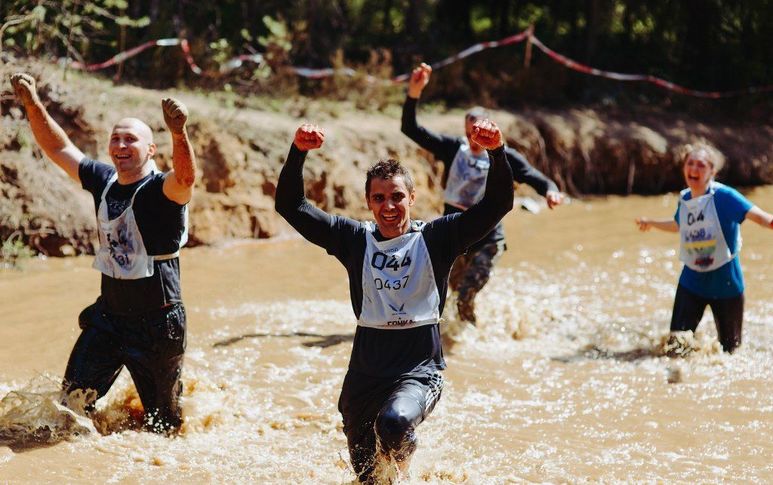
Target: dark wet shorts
{"points": [[151, 346], [728, 315], [381, 414]]}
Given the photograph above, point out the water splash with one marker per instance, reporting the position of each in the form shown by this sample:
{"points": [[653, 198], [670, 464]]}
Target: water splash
{"points": [[33, 416]]}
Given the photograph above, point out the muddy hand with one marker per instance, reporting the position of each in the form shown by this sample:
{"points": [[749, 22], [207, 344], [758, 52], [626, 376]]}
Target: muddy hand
{"points": [[419, 80], [486, 134], [308, 137], [175, 114], [24, 86]]}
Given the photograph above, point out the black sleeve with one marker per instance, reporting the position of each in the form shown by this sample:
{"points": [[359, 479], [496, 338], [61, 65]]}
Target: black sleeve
{"points": [[316, 225], [156, 186], [477, 221], [442, 147], [94, 175], [524, 173], [160, 219]]}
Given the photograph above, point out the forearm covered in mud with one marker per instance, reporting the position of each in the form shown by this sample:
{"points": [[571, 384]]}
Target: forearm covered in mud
{"points": [[49, 135], [497, 201], [525, 173], [442, 147], [52, 139], [183, 159], [312, 223]]}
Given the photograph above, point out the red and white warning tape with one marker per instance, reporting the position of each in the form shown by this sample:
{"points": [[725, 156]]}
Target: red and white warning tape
{"points": [[661, 83], [311, 73], [473, 49], [122, 56]]}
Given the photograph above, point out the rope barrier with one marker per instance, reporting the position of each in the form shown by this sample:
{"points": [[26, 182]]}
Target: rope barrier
{"points": [[311, 73], [661, 83]]}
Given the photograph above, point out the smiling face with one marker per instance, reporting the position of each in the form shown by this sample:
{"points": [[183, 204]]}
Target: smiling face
{"points": [[698, 171], [390, 200], [131, 146]]}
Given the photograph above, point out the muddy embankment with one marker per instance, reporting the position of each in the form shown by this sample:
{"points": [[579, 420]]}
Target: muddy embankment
{"points": [[240, 152]]}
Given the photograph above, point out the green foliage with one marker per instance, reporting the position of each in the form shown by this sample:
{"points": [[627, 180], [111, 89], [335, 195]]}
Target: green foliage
{"points": [[13, 251], [69, 27], [703, 44], [278, 34]]}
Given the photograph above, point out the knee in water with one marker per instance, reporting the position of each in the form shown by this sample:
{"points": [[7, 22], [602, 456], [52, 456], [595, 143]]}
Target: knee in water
{"points": [[394, 432]]}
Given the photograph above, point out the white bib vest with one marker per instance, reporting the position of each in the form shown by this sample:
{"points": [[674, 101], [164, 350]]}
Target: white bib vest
{"points": [[122, 253], [466, 181], [702, 244], [398, 283]]}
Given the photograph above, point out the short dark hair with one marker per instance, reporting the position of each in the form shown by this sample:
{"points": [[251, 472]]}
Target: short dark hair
{"points": [[477, 113], [387, 169]]}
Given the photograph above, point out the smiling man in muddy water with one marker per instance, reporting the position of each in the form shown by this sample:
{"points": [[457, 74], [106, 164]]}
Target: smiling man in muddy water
{"points": [[138, 321], [398, 274]]}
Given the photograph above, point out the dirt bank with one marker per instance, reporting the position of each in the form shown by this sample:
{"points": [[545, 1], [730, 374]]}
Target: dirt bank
{"points": [[240, 153]]}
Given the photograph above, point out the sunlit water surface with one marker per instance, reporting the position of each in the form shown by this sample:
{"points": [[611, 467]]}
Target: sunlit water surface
{"points": [[565, 379]]}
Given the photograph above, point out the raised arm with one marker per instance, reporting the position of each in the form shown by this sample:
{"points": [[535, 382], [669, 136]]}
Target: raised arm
{"points": [[50, 136], [480, 219], [525, 173], [442, 147], [178, 184], [314, 224], [760, 217], [668, 225]]}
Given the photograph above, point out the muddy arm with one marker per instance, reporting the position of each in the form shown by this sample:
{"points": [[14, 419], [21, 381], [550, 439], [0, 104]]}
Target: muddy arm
{"points": [[178, 184], [49, 135]]}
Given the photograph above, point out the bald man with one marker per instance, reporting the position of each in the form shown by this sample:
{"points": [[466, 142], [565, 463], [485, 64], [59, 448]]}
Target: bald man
{"points": [[138, 321]]}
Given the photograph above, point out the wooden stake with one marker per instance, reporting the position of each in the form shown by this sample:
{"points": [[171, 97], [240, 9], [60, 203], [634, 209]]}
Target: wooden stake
{"points": [[527, 54]]}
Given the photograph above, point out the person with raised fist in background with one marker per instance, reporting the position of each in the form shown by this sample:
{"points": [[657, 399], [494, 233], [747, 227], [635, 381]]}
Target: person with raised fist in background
{"points": [[466, 170]]}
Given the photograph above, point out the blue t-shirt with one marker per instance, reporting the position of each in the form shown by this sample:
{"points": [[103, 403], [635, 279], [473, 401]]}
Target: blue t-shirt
{"points": [[727, 280]]}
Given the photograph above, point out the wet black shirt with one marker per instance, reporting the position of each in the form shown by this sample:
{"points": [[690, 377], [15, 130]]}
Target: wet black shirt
{"points": [[161, 224], [379, 352], [444, 148]]}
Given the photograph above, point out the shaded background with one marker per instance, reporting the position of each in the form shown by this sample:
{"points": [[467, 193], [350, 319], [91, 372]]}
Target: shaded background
{"points": [[711, 45]]}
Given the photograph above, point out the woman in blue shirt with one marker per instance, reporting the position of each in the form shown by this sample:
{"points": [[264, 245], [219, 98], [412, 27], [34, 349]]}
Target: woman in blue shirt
{"points": [[708, 219]]}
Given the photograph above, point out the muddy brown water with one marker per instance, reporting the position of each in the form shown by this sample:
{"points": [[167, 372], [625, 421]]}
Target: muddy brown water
{"points": [[564, 381]]}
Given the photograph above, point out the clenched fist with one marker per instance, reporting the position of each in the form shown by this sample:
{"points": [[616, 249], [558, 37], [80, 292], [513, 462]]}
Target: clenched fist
{"points": [[486, 134], [175, 114], [308, 137], [419, 80], [554, 198], [24, 87]]}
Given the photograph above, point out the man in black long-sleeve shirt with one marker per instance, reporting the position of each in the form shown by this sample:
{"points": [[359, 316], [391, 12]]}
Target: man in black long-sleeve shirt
{"points": [[398, 272], [466, 170]]}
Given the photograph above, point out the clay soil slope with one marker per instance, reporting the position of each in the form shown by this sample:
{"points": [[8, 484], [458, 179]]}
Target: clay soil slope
{"points": [[240, 151]]}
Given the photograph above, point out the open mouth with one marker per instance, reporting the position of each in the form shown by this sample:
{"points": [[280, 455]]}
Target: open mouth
{"points": [[392, 218]]}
